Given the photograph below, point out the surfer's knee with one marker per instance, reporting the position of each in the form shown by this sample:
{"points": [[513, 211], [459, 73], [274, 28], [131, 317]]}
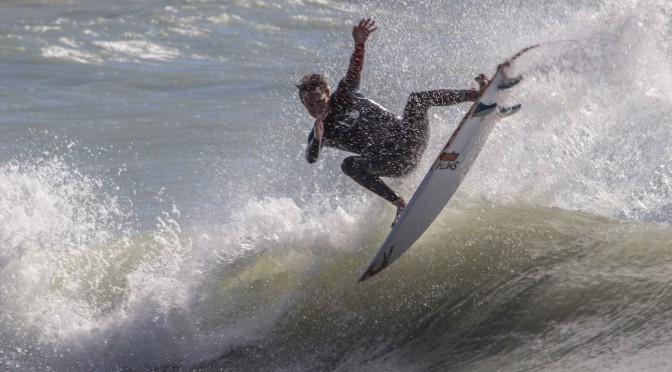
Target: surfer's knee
{"points": [[416, 107], [352, 167], [413, 98]]}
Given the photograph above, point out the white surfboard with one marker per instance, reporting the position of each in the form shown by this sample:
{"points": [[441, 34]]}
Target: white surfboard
{"points": [[447, 171]]}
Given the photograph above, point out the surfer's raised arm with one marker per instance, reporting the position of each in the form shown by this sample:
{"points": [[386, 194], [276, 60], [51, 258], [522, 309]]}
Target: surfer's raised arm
{"points": [[360, 33]]}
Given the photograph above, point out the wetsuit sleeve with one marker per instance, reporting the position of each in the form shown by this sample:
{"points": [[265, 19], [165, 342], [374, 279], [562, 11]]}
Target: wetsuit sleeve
{"points": [[313, 149], [354, 73]]}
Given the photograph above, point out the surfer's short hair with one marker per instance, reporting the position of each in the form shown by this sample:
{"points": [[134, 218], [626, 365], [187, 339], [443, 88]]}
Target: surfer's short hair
{"points": [[310, 83]]}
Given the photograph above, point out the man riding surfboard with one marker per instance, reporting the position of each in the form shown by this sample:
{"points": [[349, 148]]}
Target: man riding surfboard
{"points": [[385, 145]]}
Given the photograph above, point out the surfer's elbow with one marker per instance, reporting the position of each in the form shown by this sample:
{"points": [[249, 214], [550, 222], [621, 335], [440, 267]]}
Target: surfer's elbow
{"points": [[313, 151], [311, 157]]}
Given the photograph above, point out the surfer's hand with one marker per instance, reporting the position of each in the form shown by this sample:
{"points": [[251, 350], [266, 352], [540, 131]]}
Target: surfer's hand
{"points": [[318, 128], [363, 29]]}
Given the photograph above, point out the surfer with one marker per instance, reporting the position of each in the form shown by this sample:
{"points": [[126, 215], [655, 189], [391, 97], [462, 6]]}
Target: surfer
{"points": [[384, 144]]}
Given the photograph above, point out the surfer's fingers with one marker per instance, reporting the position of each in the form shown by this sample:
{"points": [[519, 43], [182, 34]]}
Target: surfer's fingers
{"points": [[366, 23]]}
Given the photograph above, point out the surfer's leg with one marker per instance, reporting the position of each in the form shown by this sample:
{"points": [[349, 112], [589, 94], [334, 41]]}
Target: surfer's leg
{"points": [[419, 102], [367, 173], [415, 113]]}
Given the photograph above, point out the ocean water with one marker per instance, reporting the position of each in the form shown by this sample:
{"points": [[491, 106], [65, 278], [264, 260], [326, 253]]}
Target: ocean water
{"points": [[156, 212]]}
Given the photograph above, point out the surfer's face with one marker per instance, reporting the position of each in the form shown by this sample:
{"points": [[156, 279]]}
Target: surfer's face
{"points": [[315, 102]]}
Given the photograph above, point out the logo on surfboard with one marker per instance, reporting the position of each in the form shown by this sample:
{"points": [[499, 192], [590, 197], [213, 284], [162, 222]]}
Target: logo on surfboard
{"points": [[448, 160], [449, 156], [373, 271]]}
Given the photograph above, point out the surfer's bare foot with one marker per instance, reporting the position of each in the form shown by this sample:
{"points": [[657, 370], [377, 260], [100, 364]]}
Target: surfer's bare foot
{"points": [[401, 205], [482, 81]]}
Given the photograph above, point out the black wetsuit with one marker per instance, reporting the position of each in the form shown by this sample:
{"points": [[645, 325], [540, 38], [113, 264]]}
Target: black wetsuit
{"points": [[386, 145]]}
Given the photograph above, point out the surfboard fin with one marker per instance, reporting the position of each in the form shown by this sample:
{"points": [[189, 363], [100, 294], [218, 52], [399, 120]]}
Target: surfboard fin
{"points": [[482, 109], [507, 83], [505, 111]]}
